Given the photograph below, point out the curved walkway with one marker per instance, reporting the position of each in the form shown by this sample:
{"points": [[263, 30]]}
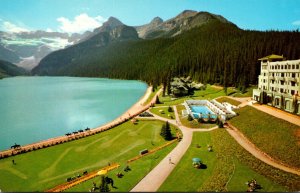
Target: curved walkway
{"points": [[251, 148], [156, 177], [295, 119]]}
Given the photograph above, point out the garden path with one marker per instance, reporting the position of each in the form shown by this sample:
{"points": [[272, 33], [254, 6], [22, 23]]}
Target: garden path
{"points": [[155, 178], [295, 119], [251, 148]]}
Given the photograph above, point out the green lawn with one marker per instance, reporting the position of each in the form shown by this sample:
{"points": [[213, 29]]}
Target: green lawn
{"points": [[191, 124], [165, 113], [228, 100], [229, 167], [248, 93], [152, 95], [139, 169], [43, 169], [274, 136], [209, 93]]}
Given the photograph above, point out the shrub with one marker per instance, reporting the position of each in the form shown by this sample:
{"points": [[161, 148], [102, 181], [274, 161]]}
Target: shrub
{"points": [[170, 109], [190, 118]]}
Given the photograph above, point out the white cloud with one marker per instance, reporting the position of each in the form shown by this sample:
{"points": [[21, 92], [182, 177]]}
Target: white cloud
{"points": [[49, 30], [81, 23], [10, 27], [296, 22]]}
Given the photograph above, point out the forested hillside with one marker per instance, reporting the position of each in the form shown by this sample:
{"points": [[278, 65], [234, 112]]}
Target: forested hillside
{"points": [[215, 52], [9, 69]]}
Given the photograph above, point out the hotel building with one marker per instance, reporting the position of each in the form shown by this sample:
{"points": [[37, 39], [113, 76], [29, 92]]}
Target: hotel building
{"points": [[279, 83]]}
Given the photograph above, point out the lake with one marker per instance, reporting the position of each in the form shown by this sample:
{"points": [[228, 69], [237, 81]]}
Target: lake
{"points": [[37, 108]]}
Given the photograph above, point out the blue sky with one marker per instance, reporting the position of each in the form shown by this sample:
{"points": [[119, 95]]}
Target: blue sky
{"points": [[80, 15]]}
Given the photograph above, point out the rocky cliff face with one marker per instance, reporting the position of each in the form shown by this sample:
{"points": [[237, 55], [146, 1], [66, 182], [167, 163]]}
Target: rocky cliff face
{"points": [[186, 20]]}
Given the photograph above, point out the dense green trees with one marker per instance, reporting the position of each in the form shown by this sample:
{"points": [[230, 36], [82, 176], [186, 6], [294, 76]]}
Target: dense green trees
{"points": [[213, 53], [166, 131]]}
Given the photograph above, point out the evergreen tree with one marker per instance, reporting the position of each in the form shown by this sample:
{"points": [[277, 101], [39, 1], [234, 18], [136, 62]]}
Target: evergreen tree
{"points": [[166, 131], [157, 101], [104, 185], [170, 109]]}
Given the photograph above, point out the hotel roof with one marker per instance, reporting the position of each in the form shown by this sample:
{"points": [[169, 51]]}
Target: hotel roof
{"points": [[272, 57]]}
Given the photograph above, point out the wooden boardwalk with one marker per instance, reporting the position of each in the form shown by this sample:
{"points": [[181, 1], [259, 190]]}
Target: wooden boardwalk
{"points": [[81, 179]]}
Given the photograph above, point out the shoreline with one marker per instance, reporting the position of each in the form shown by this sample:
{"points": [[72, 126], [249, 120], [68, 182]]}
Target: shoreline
{"points": [[133, 111]]}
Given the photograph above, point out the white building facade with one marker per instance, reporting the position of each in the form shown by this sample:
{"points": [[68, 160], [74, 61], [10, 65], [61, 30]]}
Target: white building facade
{"points": [[279, 83]]}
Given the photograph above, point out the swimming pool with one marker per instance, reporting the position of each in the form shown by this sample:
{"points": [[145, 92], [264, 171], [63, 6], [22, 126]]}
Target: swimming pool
{"points": [[204, 110]]}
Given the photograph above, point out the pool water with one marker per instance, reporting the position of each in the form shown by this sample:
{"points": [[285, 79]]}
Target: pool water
{"points": [[204, 110]]}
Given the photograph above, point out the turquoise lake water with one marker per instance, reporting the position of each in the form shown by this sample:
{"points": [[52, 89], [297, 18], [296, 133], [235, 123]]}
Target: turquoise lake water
{"points": [[37, 108]]}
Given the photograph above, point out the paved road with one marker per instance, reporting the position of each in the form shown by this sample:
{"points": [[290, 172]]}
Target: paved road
{"points": [[295, 119], [251, 148], [156, 177]]}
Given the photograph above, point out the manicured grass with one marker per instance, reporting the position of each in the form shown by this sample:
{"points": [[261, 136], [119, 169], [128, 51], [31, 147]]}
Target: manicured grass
{"points": [[43, 169], [152, 95], [272, 135], [186, 178], [228, 100], [248, 93], [209, 93], [191, 124], [139, 169], [229, 167], [156, 110]]}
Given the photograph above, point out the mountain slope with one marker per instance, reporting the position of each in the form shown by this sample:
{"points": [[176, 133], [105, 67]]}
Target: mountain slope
{"points": [[185, 21], [9, 69], [215, 52], [111, 32], [9, 55], [26, 49]]}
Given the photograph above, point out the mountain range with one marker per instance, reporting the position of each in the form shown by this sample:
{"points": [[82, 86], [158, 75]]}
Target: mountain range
{"points": [[26, 49], [204, 46]]}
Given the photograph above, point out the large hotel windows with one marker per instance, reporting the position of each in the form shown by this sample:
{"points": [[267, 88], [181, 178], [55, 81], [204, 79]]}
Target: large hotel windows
{"points": [[293, 83], [282, 82], [282, 74], [292, 92], [293, 75]]}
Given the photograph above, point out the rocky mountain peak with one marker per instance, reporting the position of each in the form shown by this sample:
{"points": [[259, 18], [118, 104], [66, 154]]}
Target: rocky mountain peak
{"points": [[156, 21], [187, 13], [113, 22]]}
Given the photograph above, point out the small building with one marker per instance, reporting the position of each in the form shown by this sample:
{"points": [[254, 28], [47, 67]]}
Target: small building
{"points": [[279, 83]]}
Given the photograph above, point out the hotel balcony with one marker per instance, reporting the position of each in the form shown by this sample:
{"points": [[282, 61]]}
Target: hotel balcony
{"points": [[271, 77], [292, 79], [279, 78]]}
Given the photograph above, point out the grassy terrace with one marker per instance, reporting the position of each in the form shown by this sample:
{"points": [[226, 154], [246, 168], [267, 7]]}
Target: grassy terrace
{"points": [[165, 114], [210, 93], [247, 93], [228, 100], [43, 169], [193, 123], [274, 136], [139, 169], [229, 167]]}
